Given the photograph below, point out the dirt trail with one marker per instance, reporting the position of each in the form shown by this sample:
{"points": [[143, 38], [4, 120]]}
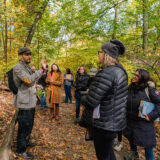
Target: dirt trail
{"points": [[57, 140]]}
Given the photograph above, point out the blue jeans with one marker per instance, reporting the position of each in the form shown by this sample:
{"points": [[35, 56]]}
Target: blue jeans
{"points": [[149, 153], [77, 108], [68, 93], [43, 101]]}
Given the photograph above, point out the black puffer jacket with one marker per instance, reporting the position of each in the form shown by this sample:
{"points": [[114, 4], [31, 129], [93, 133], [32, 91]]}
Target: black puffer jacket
{"points": [[82, 84], [109, 89], [142, 132]]}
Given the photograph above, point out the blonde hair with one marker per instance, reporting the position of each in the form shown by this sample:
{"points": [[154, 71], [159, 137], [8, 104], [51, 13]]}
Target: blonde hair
{"points": [[109, 61]]}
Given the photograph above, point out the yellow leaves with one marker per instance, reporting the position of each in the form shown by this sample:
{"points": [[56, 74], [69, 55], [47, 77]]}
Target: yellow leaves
{"points": [[150, 29]]}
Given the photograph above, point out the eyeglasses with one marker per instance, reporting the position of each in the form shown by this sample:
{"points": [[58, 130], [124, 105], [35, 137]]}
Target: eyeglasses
{"points": [[100, 52], [136, 75]]}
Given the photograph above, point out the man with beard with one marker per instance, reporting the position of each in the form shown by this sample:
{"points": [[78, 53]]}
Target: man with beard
{"points": [[25, 100]]}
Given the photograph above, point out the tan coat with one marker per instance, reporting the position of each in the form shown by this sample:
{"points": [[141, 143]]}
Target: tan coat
{"points": [[54, 89]]}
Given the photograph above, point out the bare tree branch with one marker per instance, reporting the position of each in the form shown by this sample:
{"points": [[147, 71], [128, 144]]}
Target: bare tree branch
{"points": [[152, 66]]}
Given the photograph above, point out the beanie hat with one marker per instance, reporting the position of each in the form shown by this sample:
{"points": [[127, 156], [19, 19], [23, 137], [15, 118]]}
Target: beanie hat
{"points": [[24, 50], [114, 48]]}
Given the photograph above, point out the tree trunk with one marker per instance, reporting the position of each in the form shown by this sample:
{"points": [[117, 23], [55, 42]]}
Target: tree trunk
{"points": [[33, 28], [145, 26], [115, 22], [38, 60], [6, 32]]}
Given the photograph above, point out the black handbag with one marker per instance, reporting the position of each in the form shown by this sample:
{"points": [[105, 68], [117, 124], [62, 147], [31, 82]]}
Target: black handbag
{"points": [[89, 134]]}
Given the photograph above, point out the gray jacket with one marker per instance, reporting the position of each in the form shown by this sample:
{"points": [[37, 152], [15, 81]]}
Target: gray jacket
{"points": [[25, 81], [68, 82]]}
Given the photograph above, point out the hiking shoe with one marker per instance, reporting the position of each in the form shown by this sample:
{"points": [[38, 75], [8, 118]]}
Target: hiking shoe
{"points": [[76, 121], [119, 146], [132, 156], [31, 144], [25, 155]]}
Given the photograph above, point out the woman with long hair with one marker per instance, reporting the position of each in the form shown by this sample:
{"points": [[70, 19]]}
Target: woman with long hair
{"points": [[107, 98], [55, 80], [141, 131], [68, 81]]}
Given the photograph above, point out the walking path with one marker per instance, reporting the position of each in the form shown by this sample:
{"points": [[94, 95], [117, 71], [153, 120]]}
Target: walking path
{"points": [[58, 140]]}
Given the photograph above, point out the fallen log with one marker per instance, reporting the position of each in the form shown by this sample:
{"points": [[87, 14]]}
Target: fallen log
{"points": [[5, 148]]}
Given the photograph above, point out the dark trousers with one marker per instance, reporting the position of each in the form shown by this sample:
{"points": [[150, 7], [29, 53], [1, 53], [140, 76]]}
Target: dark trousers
{"points": [[25, 125], [77, 107], [103, 143], [68, 93], [120, 136]]}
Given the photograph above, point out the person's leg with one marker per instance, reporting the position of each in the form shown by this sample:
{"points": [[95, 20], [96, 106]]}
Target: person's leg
{"points": [[31, 115], [42, 102], [57, 111], [44, 99], [133, 148], [77, 108], [77, 111], [25, 124], [119, 144], [120, 136], [66, 93], [69, 93], [45, 103], [103, 145], [52, 112], [149, 153]]}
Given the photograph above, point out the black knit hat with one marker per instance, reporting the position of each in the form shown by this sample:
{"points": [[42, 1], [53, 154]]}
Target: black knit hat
{"points": [[24, 50], [114, 48]]}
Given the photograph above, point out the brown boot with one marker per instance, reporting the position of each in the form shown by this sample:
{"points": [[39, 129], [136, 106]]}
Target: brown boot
{"points": [[57, 113], [51, 113]]}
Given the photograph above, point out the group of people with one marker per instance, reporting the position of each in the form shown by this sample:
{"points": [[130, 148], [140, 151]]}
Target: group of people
{"points": [[111, 106]]}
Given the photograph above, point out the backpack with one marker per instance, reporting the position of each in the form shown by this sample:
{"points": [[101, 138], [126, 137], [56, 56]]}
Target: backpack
{"points": [[11, 83]]}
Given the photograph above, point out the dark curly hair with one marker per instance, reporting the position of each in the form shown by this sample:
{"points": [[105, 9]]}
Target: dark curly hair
{"points": [[144, 78]]}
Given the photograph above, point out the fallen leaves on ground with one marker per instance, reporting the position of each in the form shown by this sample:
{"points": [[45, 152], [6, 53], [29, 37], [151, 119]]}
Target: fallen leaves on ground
{"points": [[57, 140]]}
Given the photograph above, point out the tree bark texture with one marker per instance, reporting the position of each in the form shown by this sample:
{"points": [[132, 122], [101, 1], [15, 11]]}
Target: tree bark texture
{"points": [[145, 26], [6, 32], [33, 28]]}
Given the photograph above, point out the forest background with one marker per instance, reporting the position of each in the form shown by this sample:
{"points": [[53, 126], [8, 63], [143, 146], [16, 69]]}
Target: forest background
{"points": [[70, 32]]}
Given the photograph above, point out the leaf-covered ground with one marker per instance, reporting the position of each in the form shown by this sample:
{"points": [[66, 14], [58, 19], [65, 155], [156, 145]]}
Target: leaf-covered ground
{"points": [[56, 140]]}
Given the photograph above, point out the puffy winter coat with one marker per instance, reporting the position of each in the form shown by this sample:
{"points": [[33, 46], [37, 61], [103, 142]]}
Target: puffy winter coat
{"points": [[142, 132], [109, 89], [82, 84]]}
